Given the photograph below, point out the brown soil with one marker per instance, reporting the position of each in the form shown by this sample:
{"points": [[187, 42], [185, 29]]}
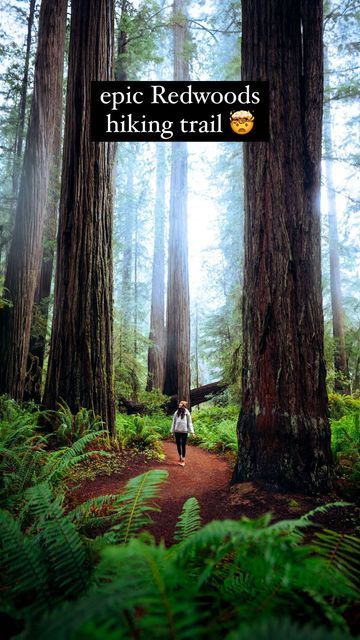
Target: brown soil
{"points": [[207, 477]]}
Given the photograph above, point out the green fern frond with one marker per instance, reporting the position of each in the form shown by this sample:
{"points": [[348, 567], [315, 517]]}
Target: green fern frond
{"points": [[59, 538], [135, 505], [189, 520], [266, 566], [26, 471], [341, 551], [140, 589], [89, 513], [62, 459], [23, 572], [284, 629], [296, 525], [153, 582]]}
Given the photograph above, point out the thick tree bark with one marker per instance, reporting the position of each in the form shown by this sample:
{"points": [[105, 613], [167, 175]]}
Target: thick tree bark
{"points": [[177, 370], [41, 308], [81, 354], [22, 101], [340, 361], [197, 396], [283, 429], [25, 250], [156, 352], [127, 266]]}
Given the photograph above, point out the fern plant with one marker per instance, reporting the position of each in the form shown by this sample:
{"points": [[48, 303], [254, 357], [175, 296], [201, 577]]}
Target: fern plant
{"points": [[213, 583], [25, 457], [189, 520], [70, 427], [44, 562], [135, 432], [135, 505], [46, 556]]}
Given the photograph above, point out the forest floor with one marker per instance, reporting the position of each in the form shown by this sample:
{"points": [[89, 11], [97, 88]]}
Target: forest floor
{"points": [[207, 477]]}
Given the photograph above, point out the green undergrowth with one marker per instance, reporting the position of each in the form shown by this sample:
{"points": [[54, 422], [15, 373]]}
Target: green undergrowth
{"points": [[30, 455], [215, 430], [93, 570], [232, 579], [142, 434], [345, 440], [342, 405]]}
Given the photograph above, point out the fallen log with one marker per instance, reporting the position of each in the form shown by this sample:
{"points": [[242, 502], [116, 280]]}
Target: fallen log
{"points": [[197, 396]]}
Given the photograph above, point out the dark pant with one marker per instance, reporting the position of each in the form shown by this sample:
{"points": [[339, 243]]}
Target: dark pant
{"points": [[181, 443]]}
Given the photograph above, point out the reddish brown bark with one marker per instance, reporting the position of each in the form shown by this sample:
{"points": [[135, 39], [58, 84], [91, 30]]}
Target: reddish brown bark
{"points": [[25, 250], [81, 352], [36, 356], [37, 344], [156, 350], [177, 369], [283, 430], [22, 101]]}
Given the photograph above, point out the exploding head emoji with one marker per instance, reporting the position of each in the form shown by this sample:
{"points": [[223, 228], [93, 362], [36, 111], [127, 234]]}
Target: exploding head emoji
{"points": [[241, 122]]}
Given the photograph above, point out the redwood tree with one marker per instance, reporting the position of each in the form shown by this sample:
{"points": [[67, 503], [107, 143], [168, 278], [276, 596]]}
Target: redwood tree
{"points": [[340, 360], [157, 319], [283, 429], [177, 370], [81, 362], [22, 101], [25, 250]]}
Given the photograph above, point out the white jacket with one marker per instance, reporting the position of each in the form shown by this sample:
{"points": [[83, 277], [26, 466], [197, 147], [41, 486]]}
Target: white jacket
{"points": [[182, 425]]}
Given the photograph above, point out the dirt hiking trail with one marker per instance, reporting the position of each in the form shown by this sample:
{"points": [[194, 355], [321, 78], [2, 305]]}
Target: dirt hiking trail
{"points": [[206, 476]]}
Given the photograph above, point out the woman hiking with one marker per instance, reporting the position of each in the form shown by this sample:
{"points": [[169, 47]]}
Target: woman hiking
{"points": [[181, 426]]}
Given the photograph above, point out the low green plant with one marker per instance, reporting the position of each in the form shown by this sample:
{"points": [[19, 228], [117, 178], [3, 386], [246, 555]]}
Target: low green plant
{"points": [[215, 428], [69, 427], [342, 405], [345, 442], [153, 401], [135, 432], [25, 456], [215, 582], [47, 558], [93, 571]]}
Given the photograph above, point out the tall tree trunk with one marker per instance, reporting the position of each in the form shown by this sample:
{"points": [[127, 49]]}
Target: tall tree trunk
{"points": [[283, 430], [40, 317], [22, 101], [122, 39], [197, 380], [128, 221], [81, 354], [25, 250], [156, 352], [177, 370], [340, 360], [36, 356]]}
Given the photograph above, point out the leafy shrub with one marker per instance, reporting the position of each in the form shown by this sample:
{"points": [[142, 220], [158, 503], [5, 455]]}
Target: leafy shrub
{"points": [[135, 432], [341, 405], [25, 457], [345, 442], [215, 428], [153, 401], [69, 427]]}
